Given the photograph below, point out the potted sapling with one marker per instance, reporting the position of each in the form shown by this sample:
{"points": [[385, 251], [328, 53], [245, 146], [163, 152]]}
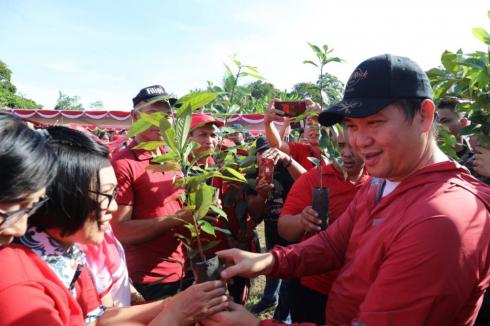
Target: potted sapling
{"points": [[197, 194]]}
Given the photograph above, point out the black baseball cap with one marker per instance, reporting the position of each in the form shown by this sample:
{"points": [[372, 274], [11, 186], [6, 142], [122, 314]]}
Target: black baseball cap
{"points": [[150, 95], [376, 83], [261, 144]]}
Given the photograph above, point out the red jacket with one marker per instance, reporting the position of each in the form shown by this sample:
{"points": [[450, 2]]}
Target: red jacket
{"points": [[32, 294], [418, 256]]}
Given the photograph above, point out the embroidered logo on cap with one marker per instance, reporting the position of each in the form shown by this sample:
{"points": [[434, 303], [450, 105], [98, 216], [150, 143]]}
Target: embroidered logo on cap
{"points": [[347, 106], [154, 91], [355, 78]]}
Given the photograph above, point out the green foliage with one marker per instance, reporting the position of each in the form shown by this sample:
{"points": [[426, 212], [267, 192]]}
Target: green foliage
{"points": [[328, 87], [8, 96], [66, 102], [467, 76], [235, 98]]}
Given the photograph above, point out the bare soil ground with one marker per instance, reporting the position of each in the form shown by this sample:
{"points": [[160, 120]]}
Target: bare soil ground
{"points": [[259, 282]]}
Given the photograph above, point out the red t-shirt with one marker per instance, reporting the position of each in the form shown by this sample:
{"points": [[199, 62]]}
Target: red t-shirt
{"points": [[419, 255], [32, 294], [340, 195], [300, 153], [152, 194]]}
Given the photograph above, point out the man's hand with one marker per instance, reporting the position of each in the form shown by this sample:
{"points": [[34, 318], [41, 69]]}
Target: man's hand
{"points": [[277, 156], [237, 315], [244, 263], [482, 161], [309, 220], [272, 114], [184, 215], [263, 188], [196, 302]]}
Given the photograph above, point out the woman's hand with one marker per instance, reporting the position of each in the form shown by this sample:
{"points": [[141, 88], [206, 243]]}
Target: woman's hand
{"points": [[194, 303], [237, 315]]}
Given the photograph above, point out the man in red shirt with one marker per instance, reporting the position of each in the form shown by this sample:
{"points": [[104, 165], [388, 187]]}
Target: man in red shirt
{"points": [[413, 247], [148, 204], [299, 151], [298, 221]]}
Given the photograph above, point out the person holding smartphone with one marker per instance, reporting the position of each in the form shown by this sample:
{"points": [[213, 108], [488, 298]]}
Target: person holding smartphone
{"points": [[299, 151]]}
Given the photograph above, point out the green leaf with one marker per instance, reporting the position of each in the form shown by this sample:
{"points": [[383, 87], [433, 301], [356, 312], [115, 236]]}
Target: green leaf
{"points": [[253, 75], [153, 118], [198, 99], [149, 145], [482, 35], [138, 127], [182, 127], [218, 211], [235, 173], [165, 158], [316, 49], [310, 62], [206, 227], [449, 61], [314, 160], [168, 133], [204, 199]]}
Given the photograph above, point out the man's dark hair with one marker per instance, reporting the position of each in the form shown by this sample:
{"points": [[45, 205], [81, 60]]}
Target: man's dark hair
{"points": [[410, 107], [26, 162], [450, 103], [70, 204]]}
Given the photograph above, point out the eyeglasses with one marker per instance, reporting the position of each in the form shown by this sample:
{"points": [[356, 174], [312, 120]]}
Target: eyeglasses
{"points": [[12, 217], [107, 197]]}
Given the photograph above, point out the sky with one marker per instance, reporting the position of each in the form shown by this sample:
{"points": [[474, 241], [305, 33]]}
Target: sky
{"points": [[107, 50]]}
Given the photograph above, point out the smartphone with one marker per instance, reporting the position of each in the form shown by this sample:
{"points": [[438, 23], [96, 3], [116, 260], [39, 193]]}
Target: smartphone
{"points": [[266, 170], [291, 108]]}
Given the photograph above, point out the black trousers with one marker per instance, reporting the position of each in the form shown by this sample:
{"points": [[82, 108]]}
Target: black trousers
{"points": [[307, 305]]}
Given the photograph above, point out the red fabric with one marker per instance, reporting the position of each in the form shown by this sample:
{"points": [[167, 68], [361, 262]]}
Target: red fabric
{"points": [[231, 223], [418, 256], [300, 153], [201, 119], [341, 193], [32, 294], [152, 195]]}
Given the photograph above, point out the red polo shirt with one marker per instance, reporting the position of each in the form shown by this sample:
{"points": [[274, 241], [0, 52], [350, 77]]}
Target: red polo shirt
{"points": [[300, 153], [152, 195], [341, 193]]}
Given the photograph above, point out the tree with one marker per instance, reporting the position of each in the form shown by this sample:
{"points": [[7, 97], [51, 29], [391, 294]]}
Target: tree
{"points": [[8, 96], [467, 76], [324, 80], [66, 102]]}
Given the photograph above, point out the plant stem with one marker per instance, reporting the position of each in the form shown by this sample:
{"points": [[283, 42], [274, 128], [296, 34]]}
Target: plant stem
{"points": [[234, 86], [199, 244]]}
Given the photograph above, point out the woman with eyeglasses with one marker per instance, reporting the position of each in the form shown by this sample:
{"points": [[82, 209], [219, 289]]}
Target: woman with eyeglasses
{"points": [[47, 282], [26, 167]]}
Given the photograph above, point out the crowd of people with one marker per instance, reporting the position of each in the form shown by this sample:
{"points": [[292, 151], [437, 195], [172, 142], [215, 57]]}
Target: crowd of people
{"points": [[88, 232]]}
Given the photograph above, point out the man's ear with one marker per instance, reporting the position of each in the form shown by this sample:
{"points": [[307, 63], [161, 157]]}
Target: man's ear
{"points": [[135, 115], [427, 114]]}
